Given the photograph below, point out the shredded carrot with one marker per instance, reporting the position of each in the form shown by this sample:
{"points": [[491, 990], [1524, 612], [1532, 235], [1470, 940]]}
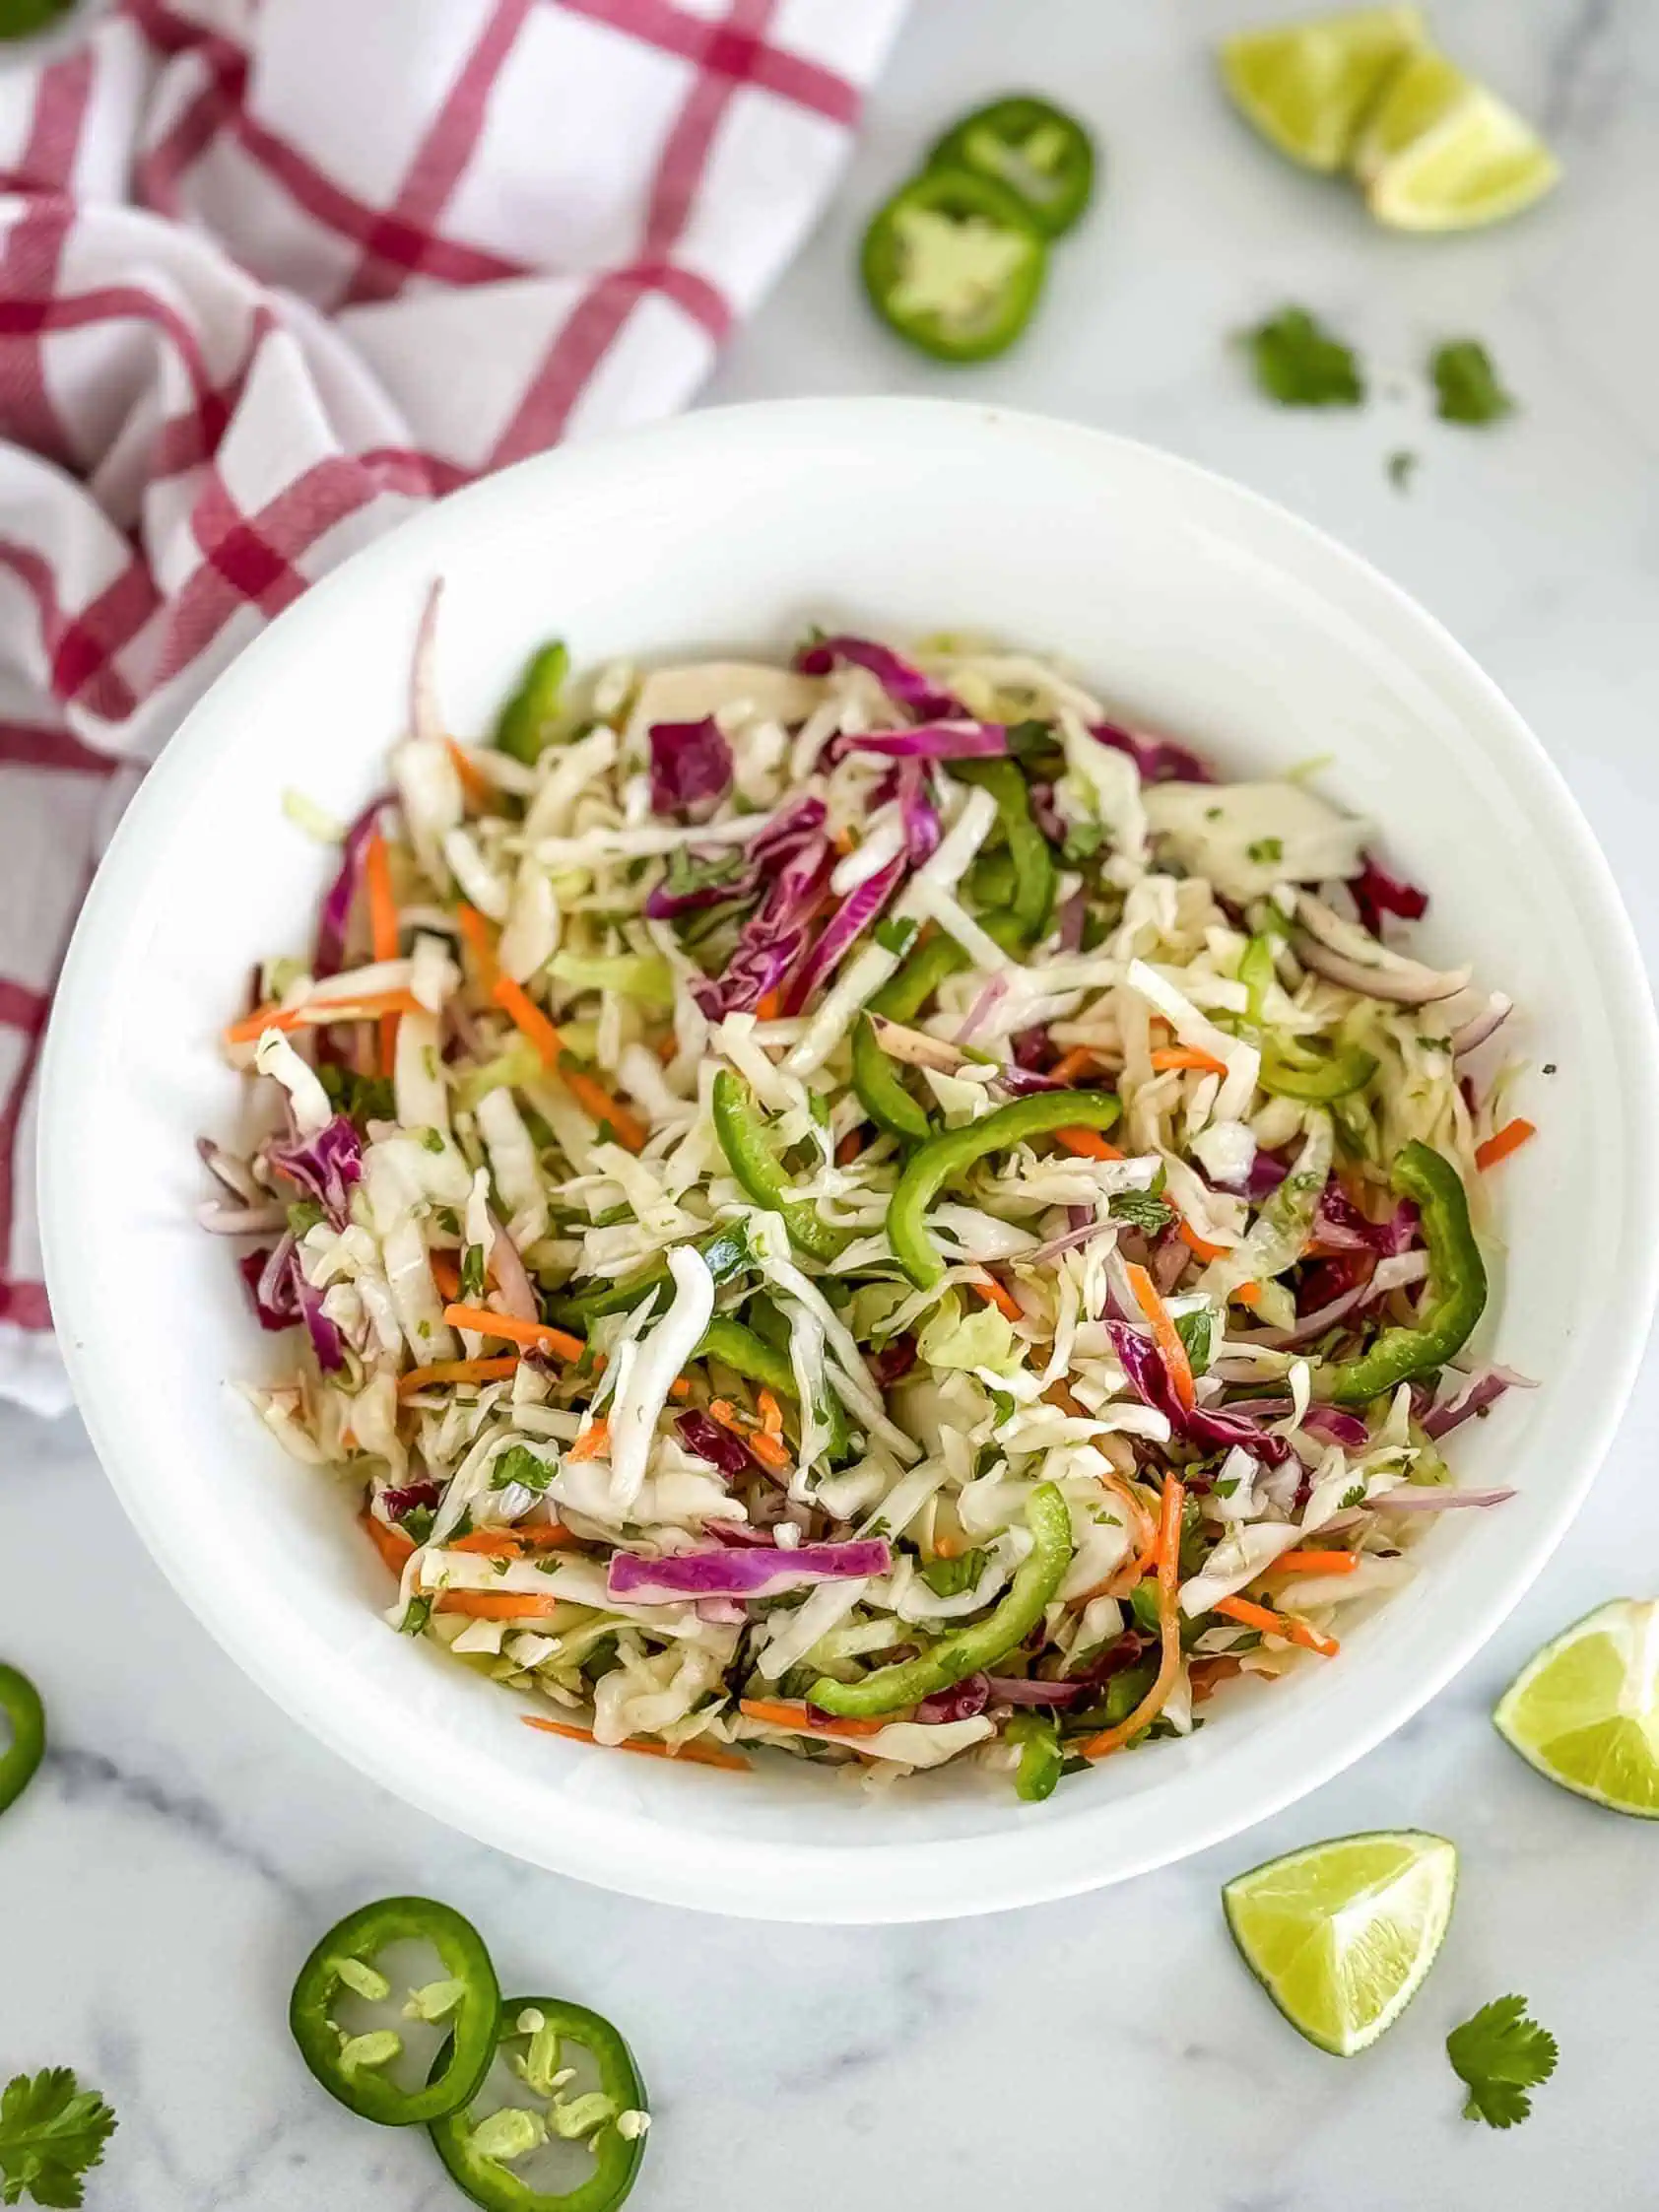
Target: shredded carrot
{"points": [[1187, 1057], [1087, 1144], [770, 1451], [317, 1012], [509, 1543], [446, 1275], [1080, 1060], [593, 1442], [1247, 1293], [600, 1105], [694, 1754], [456, 1370], [392, 1544], [1195, 1243], [1206, 1675], [1506, 1140], [480, 942], [1314, 1563], [498, 1605], [1262, 1617], [769, 1006], [680, 1388], [534, 1336], [946, 1547], [772, 1412], [786, 1712], [1166, 1334], [382, 931], [849, 1148], [1169, 1630], [993, 1293], [516, 1001], [727, 1413], [474, 783]]}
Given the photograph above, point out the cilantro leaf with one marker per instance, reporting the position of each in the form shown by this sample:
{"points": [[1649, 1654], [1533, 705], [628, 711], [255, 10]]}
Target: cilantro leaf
{"points": [[893, 935], [1142, 1209], [1299, 365], [51, 2133], [1402, 464], [1197, 1331], [1466, 386], [520, 1464], [1265, 851], [1501, 2054]]}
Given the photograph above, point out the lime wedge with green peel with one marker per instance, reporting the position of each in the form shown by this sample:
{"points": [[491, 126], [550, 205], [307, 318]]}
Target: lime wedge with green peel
{"points": [[1309, 85], [1585, 1712], [1440, 153], [1341, 1935]]}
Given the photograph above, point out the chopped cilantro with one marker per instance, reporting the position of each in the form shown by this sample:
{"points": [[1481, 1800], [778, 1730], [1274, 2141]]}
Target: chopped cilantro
{"points": [[949, 1578], [51, 2132], [416, 1614], [1501, 2054], [1266, 852], [472, 1274], [894, 936], [1466, 386], [1402, 466], [1142, 1209], [520, 1464], [305, 1214], [1299, 365], [1197, 1331]]}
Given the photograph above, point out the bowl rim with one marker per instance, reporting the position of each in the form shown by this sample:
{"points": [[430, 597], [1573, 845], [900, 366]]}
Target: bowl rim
{"points": [[837, 1884]]}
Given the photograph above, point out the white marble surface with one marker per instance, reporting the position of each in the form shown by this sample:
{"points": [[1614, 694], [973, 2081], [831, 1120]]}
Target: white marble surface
{"points": [[162, 1880]]}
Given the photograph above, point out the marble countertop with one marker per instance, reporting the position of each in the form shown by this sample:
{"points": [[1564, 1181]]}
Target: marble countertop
{"points": [[186, 1841]]}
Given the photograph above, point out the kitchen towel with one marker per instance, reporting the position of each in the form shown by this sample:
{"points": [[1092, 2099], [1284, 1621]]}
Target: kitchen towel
{"points": [[275, 272]]}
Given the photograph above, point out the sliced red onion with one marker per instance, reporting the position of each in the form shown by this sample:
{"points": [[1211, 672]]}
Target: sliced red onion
{"points": [[963, 1701], [220, 1220], [991, 993], [336, 912], [862, 906], [1484, 1392], [1170, 1260], [700, 1433], [325, 1166], [426, 716], [1490, 1019], [1408, 983], [1336, 1427], [235, 1174], [1265, 1176], [691, 765], [1070, 920], [1084, 1234], [901, 681], [1026, 1690], [929, 741], [269, 1276], [730, 1572], [1047, 816], [1424, 1499], [1159, 759], [512, 1283], [1377, 893], [917, 1048], [1019, 1083]]}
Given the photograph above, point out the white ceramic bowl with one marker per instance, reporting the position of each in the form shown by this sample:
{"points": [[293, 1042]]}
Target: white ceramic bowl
{"points": [[1195, 608]]}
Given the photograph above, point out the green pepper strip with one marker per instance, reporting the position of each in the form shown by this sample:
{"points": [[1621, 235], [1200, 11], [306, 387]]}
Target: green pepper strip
{"points": [[725, 1249], [490, 2181], [1029, 851], [25, 1716], [740, 1349], [875, 1075], [751, 1159], [947, 1159], [944, 221], [964, 1651], [1457, 1286], [364, 2090], [530, 717], [1256, 972], [1037, 149], [1295, 1071], [1041, 1758]]}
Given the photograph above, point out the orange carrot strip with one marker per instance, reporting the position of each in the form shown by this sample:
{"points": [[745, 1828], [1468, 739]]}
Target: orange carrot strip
{"points": [[1165, 1331], [393, 1546], [768, 1450], [592, 1444], [1195, 1243], [509, 1543], [456, 1370], [535, 1336], [772, 1412], [849, 1148], [1187, 1057], [1247, 1293], [316, 1012], [600, 1105], [1087, 1144], [694, 1754], [382, 931], [445, 1274], [1006, 1304], [480, 942], [1277, 1624], [946, 1547], [1078, 1061], [1169, 1630], [1314, 1563], [787, 1712], [474, 783], [498, 1605], [769, 1006], [516, 1001], [1506, 1140]]}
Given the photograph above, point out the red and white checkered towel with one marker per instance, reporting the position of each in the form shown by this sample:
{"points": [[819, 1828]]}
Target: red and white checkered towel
{"points": [[272, 273]]}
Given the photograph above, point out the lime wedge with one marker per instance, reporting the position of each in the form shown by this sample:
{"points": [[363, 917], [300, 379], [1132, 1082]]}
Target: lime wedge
{"points": [[1440, 153], [1585, 1712], [1308, 86], [1341, 1935]]}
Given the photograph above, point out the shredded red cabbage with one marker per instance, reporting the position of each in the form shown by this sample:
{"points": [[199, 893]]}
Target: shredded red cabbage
{"points": [[963, 1701], [918, 816], [325, 1166], [893, 1361], [862, 906], [1047, 815], [1159, 759], [1340, 1222], [930, 741], [721, 884], [1217, 1430], [282, 1299], [775, 937], [1336, 1427], [335, 916], [733, 1573], [701, 1434], [1377, 893], [901, 681], [1027, 1690], [411, 1498], [691, 765]]}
